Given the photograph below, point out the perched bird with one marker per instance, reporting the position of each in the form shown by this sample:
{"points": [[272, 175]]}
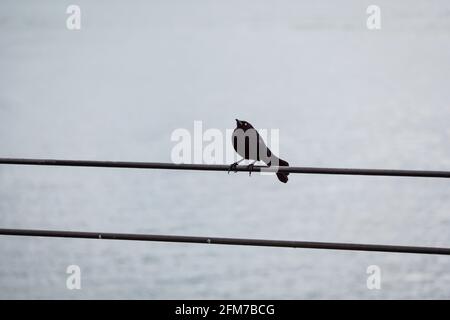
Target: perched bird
{"points": [[250, 146]]}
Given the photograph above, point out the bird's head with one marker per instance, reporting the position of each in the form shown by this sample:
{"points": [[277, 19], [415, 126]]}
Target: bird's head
{"points": [[244, 125]]}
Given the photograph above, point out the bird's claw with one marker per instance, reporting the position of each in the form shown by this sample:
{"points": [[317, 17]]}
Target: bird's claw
{"points": [[250, 168], [232, 167]]}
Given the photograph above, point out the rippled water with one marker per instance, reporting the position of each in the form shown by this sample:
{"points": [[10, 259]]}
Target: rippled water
{"points": [[341, 95]]}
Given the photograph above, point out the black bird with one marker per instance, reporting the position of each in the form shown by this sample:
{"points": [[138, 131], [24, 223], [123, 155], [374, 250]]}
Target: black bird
{"points": [[248, 144]]}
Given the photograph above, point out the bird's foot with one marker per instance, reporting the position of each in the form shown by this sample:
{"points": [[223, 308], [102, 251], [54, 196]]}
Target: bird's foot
{"points": [[233, 167], [250, 168]]}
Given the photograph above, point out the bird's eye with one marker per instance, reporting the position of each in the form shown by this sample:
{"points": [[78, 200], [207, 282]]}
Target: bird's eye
{"points": [[245, 123]]}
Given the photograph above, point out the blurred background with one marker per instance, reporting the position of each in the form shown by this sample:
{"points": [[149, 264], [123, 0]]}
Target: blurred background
{"points": [[340, 94]]}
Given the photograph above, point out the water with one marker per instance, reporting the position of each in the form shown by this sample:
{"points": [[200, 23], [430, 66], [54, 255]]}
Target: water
{"points": [[341, 95]]}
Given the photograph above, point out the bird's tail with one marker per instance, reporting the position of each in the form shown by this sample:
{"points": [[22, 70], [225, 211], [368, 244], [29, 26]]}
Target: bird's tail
{"points": [[283, 176]]}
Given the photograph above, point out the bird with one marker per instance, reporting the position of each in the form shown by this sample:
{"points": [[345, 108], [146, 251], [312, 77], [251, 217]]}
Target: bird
{"points": [[250, 146]]}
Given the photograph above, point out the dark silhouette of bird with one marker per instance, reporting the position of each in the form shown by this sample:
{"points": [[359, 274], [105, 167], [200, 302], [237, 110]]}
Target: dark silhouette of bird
{"points": [[250, 146]]}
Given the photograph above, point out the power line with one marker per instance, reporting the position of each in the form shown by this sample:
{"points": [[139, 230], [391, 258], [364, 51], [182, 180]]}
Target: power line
{"points": [[218, 167], [226, 241]]}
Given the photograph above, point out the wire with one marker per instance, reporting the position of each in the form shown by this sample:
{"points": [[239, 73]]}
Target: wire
{"points": [[226, 241], [216, 167]]}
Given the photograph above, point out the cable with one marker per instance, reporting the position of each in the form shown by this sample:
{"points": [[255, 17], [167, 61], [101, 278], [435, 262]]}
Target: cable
{"points": [[216, 167], [226, 241]]}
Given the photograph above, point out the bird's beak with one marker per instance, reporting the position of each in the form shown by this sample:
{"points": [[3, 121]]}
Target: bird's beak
{"points": [[238, 122]]}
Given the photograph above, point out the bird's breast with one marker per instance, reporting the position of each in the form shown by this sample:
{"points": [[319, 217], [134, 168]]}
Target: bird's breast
{"points": [[246, 143]]}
